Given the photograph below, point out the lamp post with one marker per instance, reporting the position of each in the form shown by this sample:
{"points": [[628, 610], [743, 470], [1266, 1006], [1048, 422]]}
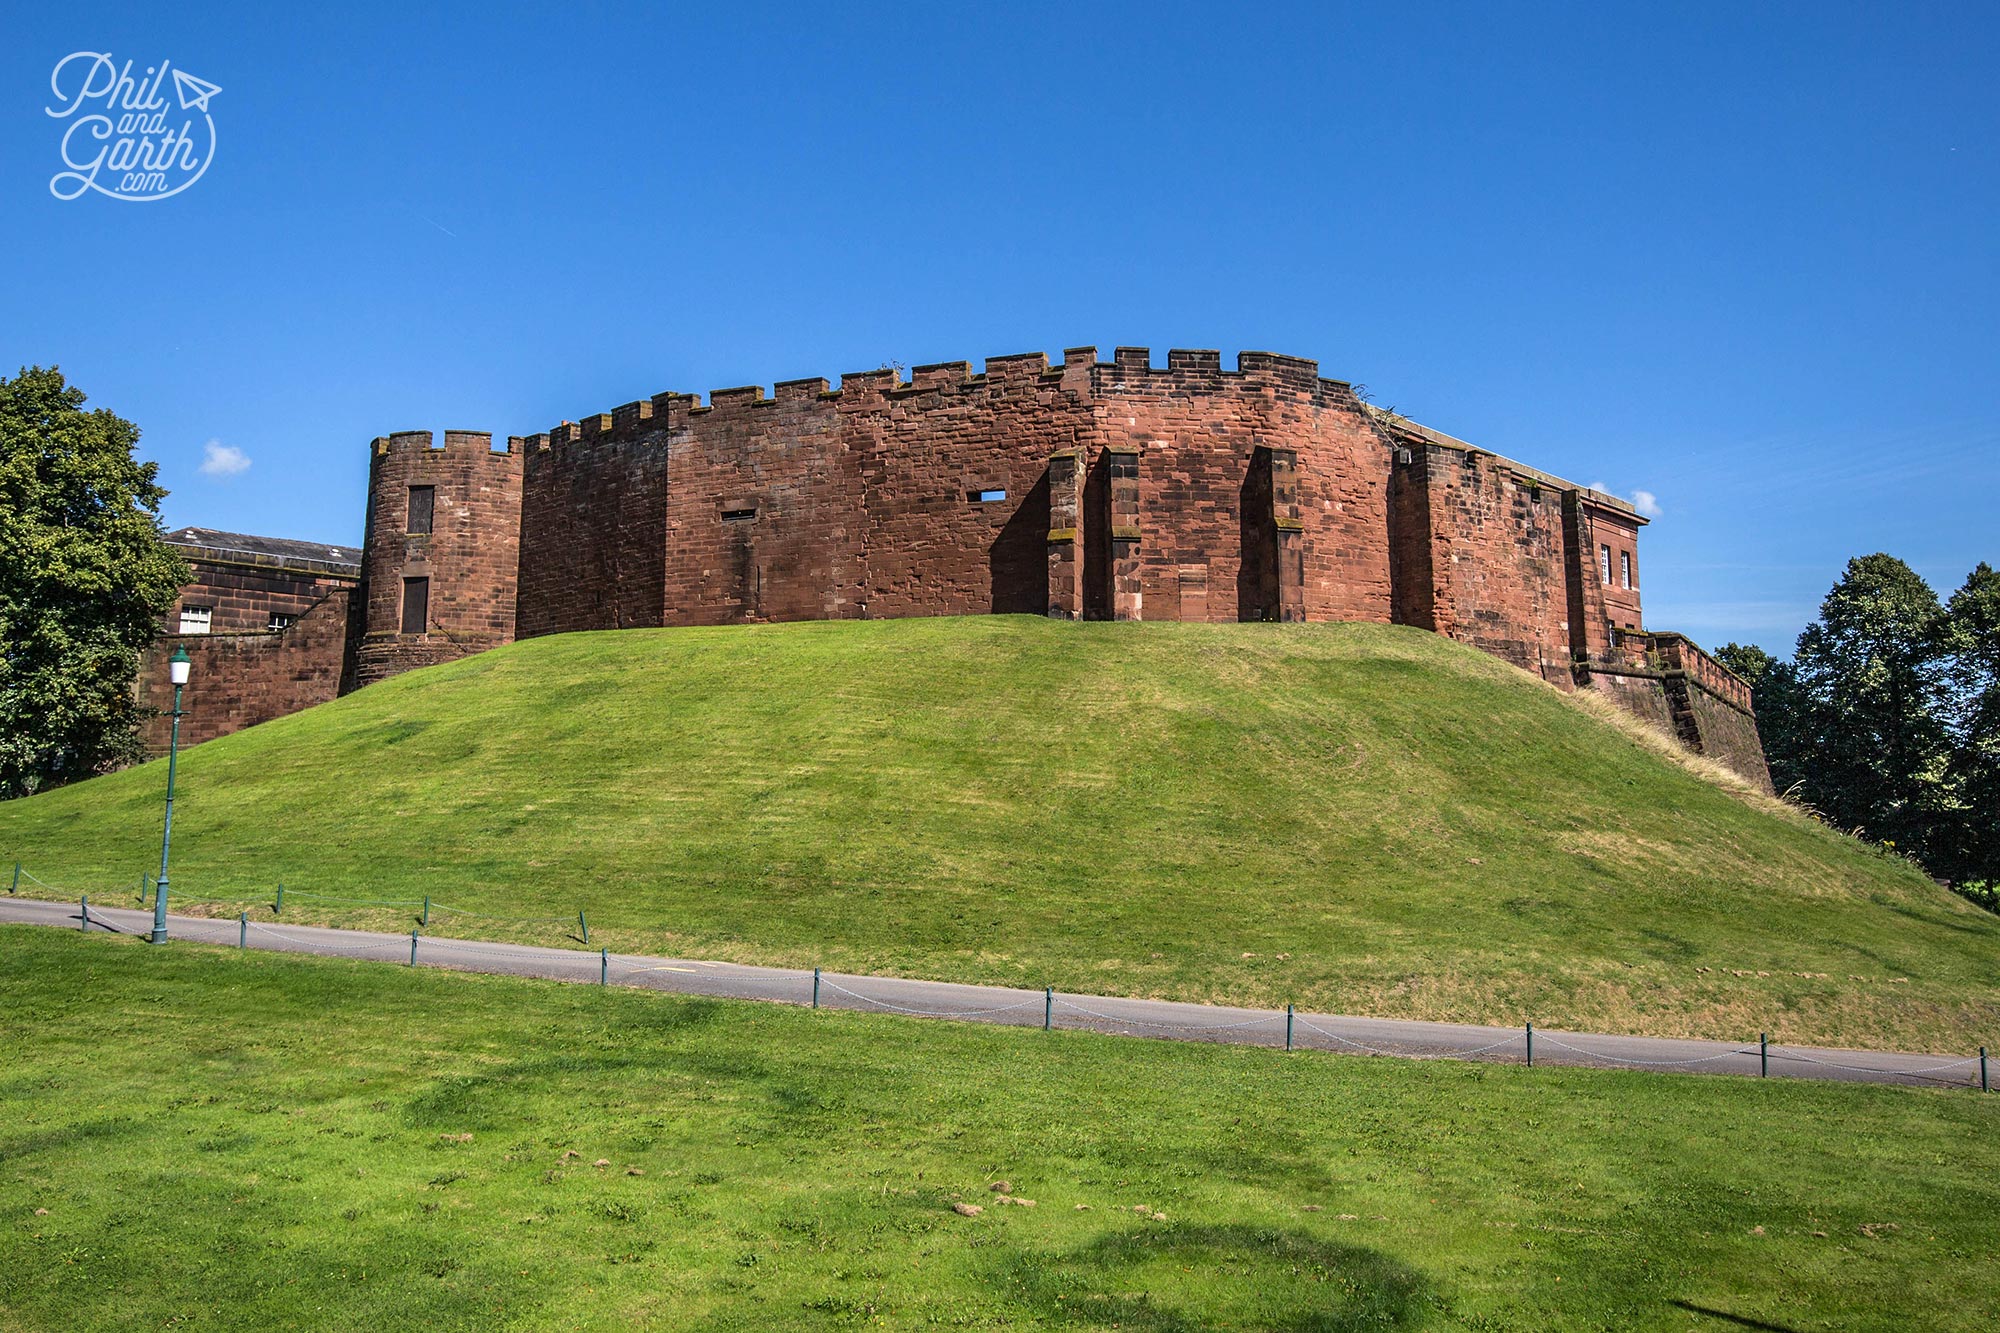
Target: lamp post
{"points": [[177, 671]]}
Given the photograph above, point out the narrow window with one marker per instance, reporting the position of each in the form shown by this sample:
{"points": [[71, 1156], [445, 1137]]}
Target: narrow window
{"points": [[423, 500], [985, 497], [416, 605], [738, 515], [197, 619], [1604, 564], [279, 620], [1625, 567]]}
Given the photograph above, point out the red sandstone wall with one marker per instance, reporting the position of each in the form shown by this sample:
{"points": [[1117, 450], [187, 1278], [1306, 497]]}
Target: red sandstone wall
{"points": [[1206, 506], [236, 680], [786, 464], [1620, 532], [1481, 553], [925, 449], [815, 503], [594, 524], [245, 595], [471, 555]]}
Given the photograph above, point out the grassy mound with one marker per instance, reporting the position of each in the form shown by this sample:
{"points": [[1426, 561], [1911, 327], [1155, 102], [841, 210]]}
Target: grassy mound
{"points": [[196, 1138], [1359, 818]]}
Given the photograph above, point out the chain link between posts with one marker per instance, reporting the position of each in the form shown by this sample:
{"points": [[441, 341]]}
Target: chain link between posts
{"points": [[552, 957]]}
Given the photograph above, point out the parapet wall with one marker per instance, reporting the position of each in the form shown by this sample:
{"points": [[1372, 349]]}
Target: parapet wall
{"points": [[1669, 681]]}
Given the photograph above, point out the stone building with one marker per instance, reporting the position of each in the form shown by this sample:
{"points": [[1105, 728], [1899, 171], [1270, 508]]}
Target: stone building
{"points": [[1088, 489]]}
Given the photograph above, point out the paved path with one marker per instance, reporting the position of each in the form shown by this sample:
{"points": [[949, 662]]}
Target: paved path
{"points": [[1023, 1008]]}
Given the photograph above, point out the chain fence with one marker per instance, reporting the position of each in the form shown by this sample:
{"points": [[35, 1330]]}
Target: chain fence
{"points": [[1278, 1027]]}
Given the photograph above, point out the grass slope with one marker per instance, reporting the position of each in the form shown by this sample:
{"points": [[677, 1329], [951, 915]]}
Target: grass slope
{"points": [[231, 1141], [1353, 817]]}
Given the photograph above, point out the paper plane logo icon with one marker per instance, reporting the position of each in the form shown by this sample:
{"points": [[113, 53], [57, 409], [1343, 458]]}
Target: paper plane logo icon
{"points": [[194, 93]]}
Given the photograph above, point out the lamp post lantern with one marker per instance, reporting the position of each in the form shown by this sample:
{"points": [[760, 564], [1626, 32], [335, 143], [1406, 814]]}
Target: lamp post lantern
{"points": [[177, 671]]}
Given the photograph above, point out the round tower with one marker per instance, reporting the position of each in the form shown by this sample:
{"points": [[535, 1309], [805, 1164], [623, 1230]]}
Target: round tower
{"points": [[439, 561]]}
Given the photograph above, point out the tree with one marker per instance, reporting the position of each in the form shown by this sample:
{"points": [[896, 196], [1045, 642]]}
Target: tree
{"points": [[1867, 729], [84, 579], [1746, 660], [1972, 642]]}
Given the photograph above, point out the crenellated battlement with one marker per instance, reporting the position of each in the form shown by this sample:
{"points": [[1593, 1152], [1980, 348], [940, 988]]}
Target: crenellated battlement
{"points": [[1080, 369], [456, 442]]}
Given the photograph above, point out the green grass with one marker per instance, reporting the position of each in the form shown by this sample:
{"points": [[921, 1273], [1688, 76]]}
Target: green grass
{"points": [[255, 1141], [1348, 817]]}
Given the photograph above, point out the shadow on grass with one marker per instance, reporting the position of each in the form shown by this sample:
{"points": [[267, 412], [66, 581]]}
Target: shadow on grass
{"points": [[27, 1145], [492, 1097], [1177, 1278], [1738, 1320]]}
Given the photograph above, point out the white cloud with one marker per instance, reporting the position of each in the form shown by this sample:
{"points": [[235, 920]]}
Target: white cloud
{"points": [[1645, 502], [223, 460]]}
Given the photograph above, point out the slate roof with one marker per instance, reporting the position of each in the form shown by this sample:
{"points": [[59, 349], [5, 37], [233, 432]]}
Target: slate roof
{"points": [[266, 550]]}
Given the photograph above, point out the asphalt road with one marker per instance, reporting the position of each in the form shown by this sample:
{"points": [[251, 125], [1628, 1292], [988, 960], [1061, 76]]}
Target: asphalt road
{"points": [[1024, 1008]]}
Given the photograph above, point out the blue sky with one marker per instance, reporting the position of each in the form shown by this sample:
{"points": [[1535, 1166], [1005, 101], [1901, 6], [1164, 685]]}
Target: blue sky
{"points": [[1739, 258]]}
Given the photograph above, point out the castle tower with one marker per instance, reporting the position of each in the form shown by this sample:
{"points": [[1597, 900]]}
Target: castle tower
{"points": [[441, 555]]}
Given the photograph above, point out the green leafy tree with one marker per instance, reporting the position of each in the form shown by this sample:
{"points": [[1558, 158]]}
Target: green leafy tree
{"points": [[1972, 642], [1866, 728], [84, 579], [1746, 660]]}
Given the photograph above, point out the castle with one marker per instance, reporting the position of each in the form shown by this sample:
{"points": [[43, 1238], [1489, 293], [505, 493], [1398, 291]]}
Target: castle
{"points": [[1090, 489]]}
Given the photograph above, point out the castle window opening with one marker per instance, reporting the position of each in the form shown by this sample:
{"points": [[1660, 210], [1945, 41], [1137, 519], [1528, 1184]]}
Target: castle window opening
{"points": [[416, 605], [1625, 567], [279, 620], [985, 497], [197, 619], [423, 501], [738, 515], [1604, 564]]}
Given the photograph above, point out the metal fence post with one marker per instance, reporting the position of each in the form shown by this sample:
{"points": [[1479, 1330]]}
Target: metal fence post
{"points": [[427, 909], [17, 878], [1982, 1069], [1048, 1007], [604, 967], [413, 948], [815, 988], [279, 908], [243, 929], [1288, 1027], [1531, 1045], [86, 913], [1763, 1055], [143, 880], [583, 925]]}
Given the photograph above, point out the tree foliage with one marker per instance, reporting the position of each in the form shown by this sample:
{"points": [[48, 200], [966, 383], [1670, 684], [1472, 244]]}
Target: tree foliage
{"points": [[1972, 647], [1873, 700], [1887, 718], [84, 579]]}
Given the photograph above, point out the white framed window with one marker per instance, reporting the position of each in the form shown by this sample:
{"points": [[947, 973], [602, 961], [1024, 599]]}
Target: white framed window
{"points": [[197, 619], [279, 620], [1625, 568], [1604, 564]]}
